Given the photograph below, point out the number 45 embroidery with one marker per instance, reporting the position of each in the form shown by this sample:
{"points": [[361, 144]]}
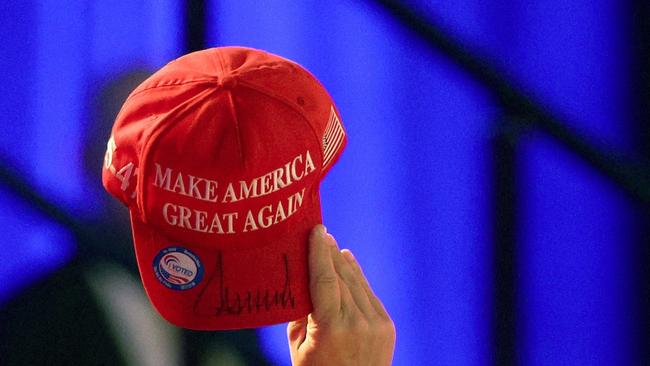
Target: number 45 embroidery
{"points": [[125, 173]]}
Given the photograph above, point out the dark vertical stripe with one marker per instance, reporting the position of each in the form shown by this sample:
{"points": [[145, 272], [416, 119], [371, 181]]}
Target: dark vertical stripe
{"points": [[195, 25], [504, 146], [641, 90], [195, 343]]}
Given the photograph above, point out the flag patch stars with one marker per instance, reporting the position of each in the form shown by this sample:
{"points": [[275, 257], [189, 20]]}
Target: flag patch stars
{"points": [[332, 138]]}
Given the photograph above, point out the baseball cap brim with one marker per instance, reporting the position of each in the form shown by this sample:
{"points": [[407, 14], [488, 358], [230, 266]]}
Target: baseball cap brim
{"points": [[231, 288]]}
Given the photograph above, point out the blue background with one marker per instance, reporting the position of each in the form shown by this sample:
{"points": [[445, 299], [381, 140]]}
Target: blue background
{"points": [[412, 194]]}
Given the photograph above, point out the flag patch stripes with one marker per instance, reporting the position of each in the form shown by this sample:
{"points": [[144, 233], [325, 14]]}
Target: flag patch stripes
{"points": [[332, 138]]}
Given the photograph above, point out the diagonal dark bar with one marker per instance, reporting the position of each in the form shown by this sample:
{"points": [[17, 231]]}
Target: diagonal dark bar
{"points": [[19, 186], [632, 177]]}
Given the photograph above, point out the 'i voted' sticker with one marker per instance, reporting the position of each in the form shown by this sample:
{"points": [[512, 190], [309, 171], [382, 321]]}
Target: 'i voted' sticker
{"points": [[178, 268]]}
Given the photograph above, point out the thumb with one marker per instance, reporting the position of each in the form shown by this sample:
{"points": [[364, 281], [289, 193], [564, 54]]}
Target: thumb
{"points": [[297, 333]]}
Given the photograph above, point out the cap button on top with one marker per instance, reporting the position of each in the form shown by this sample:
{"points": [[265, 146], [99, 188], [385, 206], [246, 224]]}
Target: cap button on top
{"points": [[228, 81]]}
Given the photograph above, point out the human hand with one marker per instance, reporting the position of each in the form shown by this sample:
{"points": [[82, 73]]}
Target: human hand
{"points": [[349, 325]]}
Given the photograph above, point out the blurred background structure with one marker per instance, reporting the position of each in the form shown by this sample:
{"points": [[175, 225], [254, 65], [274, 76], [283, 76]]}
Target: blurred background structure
{"points": [[495, 187]]}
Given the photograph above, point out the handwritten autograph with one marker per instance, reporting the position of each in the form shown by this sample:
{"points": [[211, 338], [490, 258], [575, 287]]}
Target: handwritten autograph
{"points": [[252, 301]]}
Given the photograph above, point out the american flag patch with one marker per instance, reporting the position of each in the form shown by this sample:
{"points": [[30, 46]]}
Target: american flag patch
{"points": [[332, 138]]}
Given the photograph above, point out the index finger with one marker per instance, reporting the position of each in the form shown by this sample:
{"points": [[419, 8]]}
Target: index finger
{"points": [[323, 280]]}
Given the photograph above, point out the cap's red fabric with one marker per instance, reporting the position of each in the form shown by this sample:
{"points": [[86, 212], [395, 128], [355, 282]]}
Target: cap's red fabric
{"points": [[219, 157]]}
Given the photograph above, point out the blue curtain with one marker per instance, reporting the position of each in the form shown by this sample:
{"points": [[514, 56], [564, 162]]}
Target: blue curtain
{"points": [[412, 194]]}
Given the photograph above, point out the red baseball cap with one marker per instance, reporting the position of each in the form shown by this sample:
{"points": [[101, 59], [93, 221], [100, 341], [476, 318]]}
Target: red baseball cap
{"points": [[219, 157]]}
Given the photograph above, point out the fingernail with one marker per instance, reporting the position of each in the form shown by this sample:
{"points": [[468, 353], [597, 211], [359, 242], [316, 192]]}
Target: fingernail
{"points": [[330, 240], [320, 231], [347, 253]]}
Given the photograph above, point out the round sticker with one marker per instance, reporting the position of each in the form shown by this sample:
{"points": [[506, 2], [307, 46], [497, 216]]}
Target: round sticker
{"points": [[178, 268]]}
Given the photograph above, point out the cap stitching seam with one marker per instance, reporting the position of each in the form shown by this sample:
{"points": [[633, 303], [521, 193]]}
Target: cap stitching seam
{"points": [[234, 116], [210, 80]]}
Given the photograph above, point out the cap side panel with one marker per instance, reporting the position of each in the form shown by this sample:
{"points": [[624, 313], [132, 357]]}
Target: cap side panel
{"points": [[289, 103], [300, 90], [165, 123]]}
